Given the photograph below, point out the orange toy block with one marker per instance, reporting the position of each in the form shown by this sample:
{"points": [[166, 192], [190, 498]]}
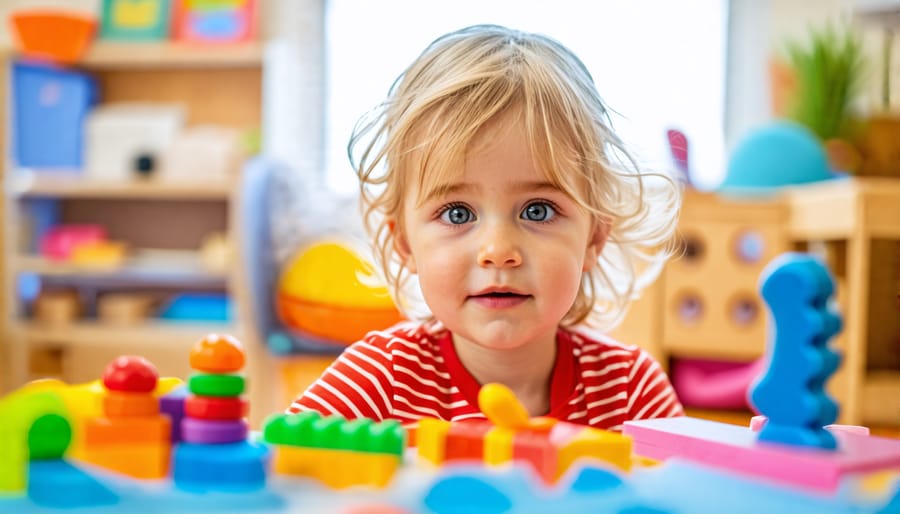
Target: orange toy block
{"points": [[129, 405], [465, 440], [144, 461], [537, 450], [337, 469], [431, 439], [552, 454], [102, 432]]}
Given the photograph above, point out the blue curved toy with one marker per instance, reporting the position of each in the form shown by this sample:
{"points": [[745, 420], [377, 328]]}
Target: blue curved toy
{"points": [[791, 393]]}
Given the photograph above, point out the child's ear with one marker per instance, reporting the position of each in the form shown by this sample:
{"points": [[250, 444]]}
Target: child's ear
{"points": [[595, 245], [401, 246]]}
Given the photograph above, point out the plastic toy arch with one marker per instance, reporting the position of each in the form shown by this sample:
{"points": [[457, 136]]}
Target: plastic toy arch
{"points": [[35, 425]]}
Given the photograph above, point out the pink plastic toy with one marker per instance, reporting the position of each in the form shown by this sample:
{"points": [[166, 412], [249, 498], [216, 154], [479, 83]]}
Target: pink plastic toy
{"points": [[736, 448], [215, 21], [757, 422], [711, 384], [59, 241]]}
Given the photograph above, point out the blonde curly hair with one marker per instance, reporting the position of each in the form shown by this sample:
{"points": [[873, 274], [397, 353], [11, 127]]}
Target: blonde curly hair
{"points": [[420, 135]]}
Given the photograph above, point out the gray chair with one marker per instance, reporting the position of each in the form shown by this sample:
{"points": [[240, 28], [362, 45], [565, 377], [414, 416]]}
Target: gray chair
{"points": [[259, 267]]}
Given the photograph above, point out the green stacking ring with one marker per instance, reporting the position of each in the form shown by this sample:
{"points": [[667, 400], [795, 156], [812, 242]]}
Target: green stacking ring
{"points": [[203, 384]]}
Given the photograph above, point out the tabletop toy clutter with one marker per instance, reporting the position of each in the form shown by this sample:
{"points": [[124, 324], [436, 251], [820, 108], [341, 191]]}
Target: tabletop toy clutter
{"points": [[164, 444]]}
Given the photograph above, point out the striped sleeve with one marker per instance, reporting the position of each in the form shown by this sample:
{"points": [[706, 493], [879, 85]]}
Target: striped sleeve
{"points": [[356, 385], [650, 394]]}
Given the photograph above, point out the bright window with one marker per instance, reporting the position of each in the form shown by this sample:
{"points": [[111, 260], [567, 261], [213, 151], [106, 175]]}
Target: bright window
{"points": [[659, 64]]}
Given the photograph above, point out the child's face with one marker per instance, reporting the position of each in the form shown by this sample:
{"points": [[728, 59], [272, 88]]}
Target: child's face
{"points": [[499, 251]]}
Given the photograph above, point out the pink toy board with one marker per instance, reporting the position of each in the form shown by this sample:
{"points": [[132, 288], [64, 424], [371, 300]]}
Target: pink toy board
{"points": [[736, 448]]}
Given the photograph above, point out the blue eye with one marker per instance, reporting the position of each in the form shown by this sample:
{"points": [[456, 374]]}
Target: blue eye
{"points": [[457, 215], [538, 211]]}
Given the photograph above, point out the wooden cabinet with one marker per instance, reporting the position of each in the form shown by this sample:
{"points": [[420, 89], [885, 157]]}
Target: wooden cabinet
{"points": [[162, 222], [852, 224], [856, 223]]}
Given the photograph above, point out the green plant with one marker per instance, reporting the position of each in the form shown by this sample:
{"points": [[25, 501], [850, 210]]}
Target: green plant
{"points": [[828, 71]]}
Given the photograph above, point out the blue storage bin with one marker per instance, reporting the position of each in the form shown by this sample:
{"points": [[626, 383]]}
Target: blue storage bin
{"points": [[49, 109], [198, 307]]}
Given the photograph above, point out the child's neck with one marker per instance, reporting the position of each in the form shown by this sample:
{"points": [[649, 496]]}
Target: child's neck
{"points": [[527, 371]]}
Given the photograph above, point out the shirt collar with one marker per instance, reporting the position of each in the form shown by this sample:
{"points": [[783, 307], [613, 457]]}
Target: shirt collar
{"points": [[562, 381]]}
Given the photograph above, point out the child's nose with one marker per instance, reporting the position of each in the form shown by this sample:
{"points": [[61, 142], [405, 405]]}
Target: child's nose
{"points": [[499, 249]]}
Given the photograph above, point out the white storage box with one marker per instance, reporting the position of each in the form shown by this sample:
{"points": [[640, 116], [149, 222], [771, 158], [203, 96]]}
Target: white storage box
{"points": [[202, 154], [123, 140]]}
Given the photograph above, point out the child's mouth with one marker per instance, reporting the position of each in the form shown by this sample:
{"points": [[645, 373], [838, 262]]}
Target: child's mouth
{"points": [[499, 299]]}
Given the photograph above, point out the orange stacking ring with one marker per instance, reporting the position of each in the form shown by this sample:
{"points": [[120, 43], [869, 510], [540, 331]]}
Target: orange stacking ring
{"points": [[128, 405], [217, 353]]}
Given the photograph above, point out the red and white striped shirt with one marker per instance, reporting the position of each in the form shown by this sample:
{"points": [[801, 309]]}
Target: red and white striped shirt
{"points": [[409, 372]]}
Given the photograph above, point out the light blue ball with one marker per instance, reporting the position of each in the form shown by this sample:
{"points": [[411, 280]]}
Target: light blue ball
{"points": [[779, 154]]}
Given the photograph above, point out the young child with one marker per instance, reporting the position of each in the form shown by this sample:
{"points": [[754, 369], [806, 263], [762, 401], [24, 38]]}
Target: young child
{"points": [[496, 192]]}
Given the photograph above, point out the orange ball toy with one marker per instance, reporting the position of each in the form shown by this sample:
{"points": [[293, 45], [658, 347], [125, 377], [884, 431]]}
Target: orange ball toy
{"points": [[218, 353]]}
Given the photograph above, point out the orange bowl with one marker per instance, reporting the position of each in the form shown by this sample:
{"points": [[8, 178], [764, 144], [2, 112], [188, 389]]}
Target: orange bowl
{"points": [[59, 36], [343, 325]]}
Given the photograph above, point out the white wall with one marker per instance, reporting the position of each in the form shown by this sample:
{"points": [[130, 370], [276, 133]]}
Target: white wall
{"points": [[294, 84], [746, 93]]}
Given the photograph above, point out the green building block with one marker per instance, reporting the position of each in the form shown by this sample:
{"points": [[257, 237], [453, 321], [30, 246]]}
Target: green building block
{"points": [[388, 437], [291, 430], [221, 385], [310, 429]]}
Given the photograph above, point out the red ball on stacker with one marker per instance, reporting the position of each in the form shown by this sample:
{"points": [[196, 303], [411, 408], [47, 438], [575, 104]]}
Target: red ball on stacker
{"points": [[130, 373]]}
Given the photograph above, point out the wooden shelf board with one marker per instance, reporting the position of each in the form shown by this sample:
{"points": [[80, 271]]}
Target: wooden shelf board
{"points": [[105, 54], [70, 185], [881, 397], [158, 266], [838, 209], [732, 353], [739, 417], [156, 333]]}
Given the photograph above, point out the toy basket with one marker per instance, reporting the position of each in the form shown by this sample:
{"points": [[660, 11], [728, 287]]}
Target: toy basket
{"points": [[58, 36]]}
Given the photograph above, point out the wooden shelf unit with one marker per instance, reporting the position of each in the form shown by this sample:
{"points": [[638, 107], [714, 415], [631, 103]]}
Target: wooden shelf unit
{"points": [[179, 336], [851, 222], [36, 184], [82, 349], [854, 216], [169, 54], [163, 266], [162, 220], [6, 374]]}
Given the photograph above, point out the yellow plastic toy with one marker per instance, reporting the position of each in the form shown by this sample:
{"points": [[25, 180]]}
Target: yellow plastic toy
{"points": [[19, 413], [550, 445], [83, 401], [329, 291]]}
